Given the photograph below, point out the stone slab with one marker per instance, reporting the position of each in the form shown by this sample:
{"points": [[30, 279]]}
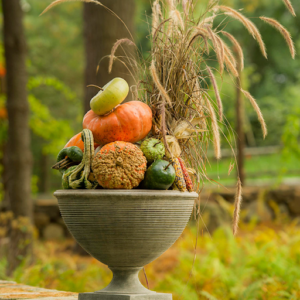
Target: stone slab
{"points": [[102, 296], [14, 291]]}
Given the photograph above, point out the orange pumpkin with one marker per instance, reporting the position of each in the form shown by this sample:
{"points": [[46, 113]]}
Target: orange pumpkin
{"points": [[77, 141], [119, 165], [129, 122]]}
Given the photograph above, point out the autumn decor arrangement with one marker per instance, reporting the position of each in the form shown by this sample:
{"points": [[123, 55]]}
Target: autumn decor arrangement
{"points": [[150, 158]]}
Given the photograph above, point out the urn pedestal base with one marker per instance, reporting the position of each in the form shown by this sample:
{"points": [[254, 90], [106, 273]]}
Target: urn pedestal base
{"points": [[125, 285], [102, 296]]}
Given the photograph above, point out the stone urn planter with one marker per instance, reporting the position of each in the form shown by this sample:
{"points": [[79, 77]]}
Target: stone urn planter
{"points": [[125, 229]]}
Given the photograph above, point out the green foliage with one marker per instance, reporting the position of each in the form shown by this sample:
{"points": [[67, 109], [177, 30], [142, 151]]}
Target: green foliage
{"points": [[47, 127], [55, 43], [53, 131], [257, 265], [291, 135]]}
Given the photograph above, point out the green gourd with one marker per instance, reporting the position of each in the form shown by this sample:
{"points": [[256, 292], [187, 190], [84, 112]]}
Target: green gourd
{"points": [[78, 176], [73, 152], [65, 181], [67, 157], [61, 155], [153, 149], [159, 176]]}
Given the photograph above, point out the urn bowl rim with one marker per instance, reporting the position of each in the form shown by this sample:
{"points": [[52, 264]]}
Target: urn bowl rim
{"points": [[155, 194]]}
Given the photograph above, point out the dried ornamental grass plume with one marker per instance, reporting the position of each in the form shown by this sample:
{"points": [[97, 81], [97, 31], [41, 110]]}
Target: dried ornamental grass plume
{"points": [[215, 129], [238, 16], [289, 6], [156, 13], [56, 2], [284, 33], [230, 56], [248, 24], [158, 84], [231, 66], [217, 93], [185, 6], [231, 167], [114, 49], [217, 48], [176, 17], [207, 21], [200, 32], [222, 48], [237, 47], [228, 53], [237, 207], [259, 40], [170, 5], [258, 112]]}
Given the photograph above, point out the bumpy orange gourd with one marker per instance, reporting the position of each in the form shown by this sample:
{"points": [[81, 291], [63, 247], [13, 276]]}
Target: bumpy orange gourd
{"points": [[77, 141], [119, 165], [129, 122]]}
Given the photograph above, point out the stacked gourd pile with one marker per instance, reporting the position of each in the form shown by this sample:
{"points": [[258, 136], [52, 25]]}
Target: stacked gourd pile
{"points": [[114, 150]]}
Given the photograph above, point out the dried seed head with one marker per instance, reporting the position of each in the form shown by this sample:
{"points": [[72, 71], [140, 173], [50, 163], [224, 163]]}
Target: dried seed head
{"points": [[185, 6], [158, 84], [237, 206], [237, 47], [176, 17], [217, 93], [228, 53], [114, 49], [290, 7], [56, 2], [217, 48], [156, 12], [284, 33], [231, 67], [248, 24], [215, 129], [258, 112], [260, 41], [238, 16]]}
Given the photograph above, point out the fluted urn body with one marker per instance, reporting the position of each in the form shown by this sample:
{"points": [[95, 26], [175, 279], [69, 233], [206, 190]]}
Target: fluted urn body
{"points": [[125, 229]]}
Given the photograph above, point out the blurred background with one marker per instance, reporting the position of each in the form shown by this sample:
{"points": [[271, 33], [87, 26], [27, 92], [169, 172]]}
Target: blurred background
{"points": [[43, 97]]}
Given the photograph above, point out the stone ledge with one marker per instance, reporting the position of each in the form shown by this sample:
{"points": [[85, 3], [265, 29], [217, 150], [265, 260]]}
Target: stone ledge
{"points": [[14, 291]]}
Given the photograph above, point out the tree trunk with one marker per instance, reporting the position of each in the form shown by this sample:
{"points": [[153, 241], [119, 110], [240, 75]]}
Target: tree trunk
{"points": [[19, 154], [101, 31], [240, 129]]}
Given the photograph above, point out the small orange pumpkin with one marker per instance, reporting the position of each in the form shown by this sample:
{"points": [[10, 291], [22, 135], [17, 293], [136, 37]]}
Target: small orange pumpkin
{"points": [[77, 141], [129, 122], [119, 165]]}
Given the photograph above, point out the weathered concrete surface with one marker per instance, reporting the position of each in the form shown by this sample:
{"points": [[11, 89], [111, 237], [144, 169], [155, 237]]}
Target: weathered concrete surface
{"points": [[12, 290]]}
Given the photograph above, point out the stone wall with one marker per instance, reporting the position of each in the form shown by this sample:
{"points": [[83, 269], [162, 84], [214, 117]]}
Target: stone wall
{"points": [[262, 203]]}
